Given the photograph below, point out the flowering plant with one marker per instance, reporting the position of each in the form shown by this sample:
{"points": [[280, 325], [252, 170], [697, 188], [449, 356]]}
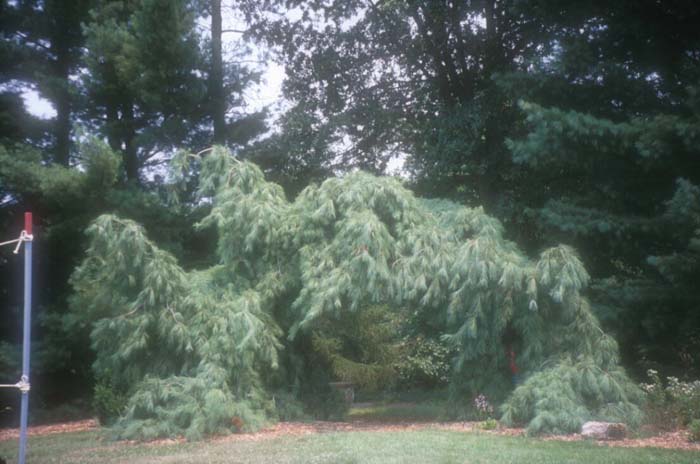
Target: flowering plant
{"points": [[676, 403], [685, 397], [483, 408]]}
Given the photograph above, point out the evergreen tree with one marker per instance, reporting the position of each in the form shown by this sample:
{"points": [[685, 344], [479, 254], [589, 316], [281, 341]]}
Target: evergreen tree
{"points": [[179, 341], [142, 60], [642, 218], [65, 200], [62, 21], [21, 56], [42, 49], [609, 141], [361, 347], [154, 84]]}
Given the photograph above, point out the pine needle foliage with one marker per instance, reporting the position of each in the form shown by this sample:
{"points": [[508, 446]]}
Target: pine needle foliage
{"points": [[187, 347], [361, 347], [191, 348]]}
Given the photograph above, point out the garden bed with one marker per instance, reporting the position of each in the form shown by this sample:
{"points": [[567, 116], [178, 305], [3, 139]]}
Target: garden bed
{"points": [[666, 440]]}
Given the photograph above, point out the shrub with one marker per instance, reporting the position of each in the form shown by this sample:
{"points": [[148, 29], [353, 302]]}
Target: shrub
{"points": [[677, 403], [490, 424], [192, 407], [564, 397], [656, 407], [694, 429], [108, 403], [426, 362], [685, 398]]}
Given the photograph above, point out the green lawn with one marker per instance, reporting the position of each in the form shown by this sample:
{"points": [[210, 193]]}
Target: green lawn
{"points": [[426, 446]]}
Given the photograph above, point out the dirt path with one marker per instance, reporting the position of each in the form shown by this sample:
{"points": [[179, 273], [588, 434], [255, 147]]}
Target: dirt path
{"points": [[669, 440]]}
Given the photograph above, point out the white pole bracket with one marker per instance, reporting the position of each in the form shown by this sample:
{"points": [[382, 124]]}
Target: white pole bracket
{"points": [[23, 385]]}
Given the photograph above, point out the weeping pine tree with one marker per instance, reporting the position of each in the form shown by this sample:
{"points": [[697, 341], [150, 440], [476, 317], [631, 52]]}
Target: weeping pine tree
{"points": [[193, 350]]}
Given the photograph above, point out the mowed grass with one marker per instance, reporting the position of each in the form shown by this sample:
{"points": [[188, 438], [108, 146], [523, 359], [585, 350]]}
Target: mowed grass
{"points": [[424, 446]]}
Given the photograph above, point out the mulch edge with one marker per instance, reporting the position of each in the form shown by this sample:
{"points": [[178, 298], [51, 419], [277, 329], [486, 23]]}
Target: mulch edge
{"points": [[677, 440]]}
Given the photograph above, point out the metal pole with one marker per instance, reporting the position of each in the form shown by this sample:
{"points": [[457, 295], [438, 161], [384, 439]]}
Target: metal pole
{"points": [[26, 342]]}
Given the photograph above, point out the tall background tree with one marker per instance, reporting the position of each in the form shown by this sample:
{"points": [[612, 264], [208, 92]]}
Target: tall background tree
{"points": [[142, 82], [611, 132], [217, 93]]}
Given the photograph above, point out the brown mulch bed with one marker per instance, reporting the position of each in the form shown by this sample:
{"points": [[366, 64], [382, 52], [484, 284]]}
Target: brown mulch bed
{"points": [[77, 426], [669, 440]]}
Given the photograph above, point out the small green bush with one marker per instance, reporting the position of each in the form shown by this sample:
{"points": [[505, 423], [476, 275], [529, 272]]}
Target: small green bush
{"points": [[490, 424], [108, 403], [426, 363], [694, 429], [685, 397]]}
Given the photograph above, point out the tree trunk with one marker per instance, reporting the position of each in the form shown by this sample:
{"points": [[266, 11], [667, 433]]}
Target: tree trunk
{"points": [[489, 182], [131, 160], [63, 20], [216, 79], [112, 128], [62, 126]]}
